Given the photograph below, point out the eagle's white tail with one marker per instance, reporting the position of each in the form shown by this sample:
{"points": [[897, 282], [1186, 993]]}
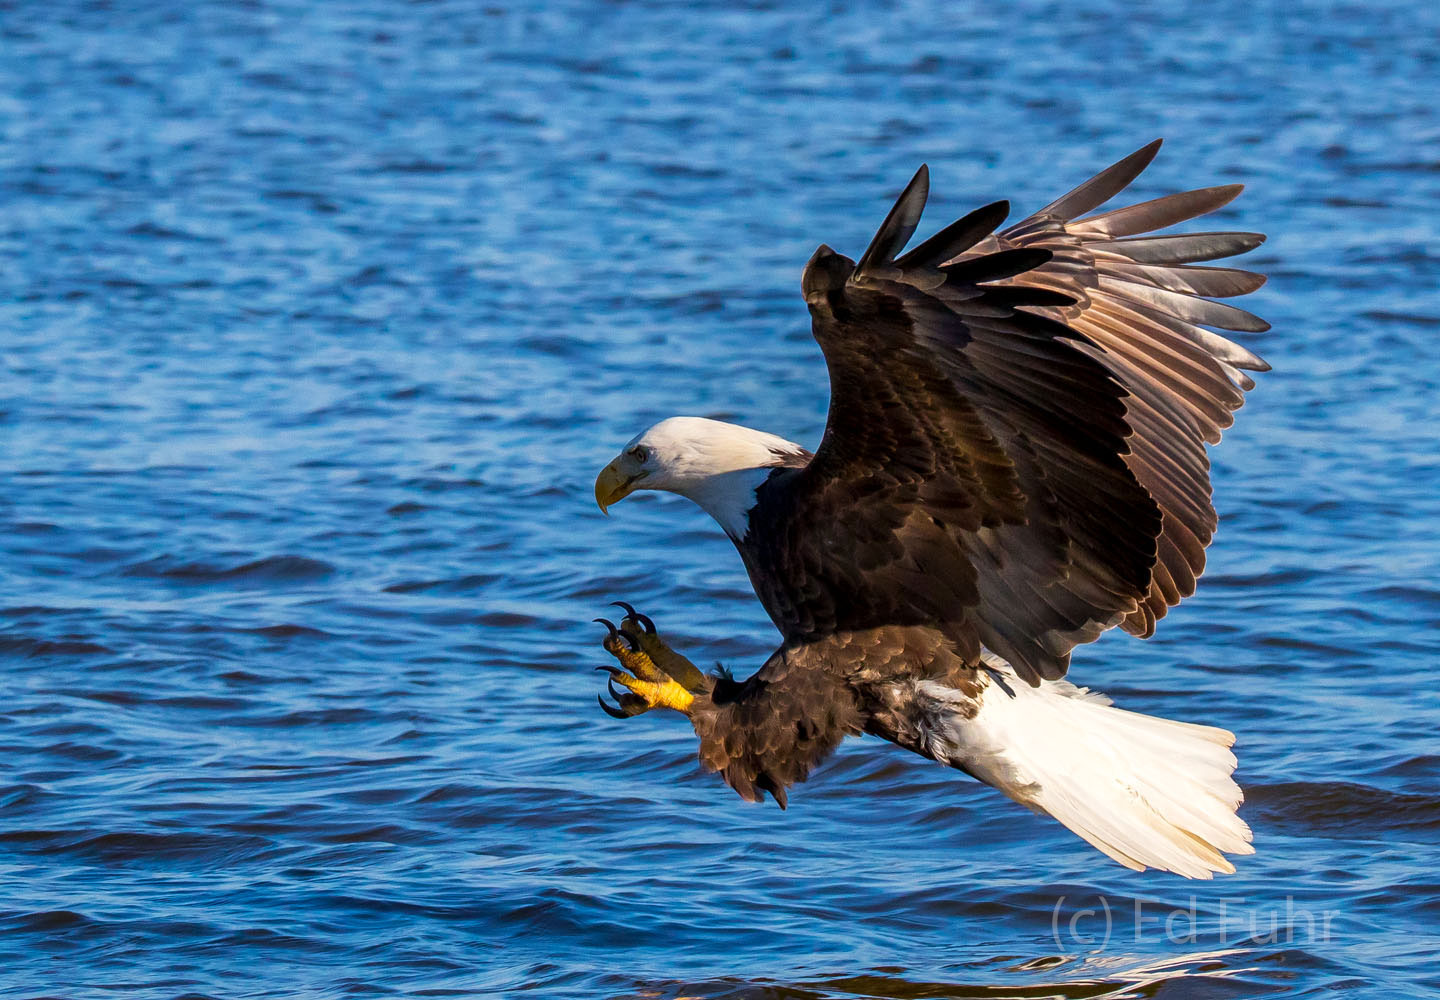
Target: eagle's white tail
{"points": [[1147, 791]]}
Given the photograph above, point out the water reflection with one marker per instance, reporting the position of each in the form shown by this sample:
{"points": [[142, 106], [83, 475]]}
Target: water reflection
{"points": [[1113, 977]]}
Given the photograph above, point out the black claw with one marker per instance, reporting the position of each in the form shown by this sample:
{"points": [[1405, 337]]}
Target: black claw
{"points": [[614, 713], [631, 613], [617, 695], [612, 671], [630, 642]]}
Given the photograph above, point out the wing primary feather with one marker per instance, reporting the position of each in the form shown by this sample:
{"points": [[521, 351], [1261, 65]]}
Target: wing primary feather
{"points": [[1157, 214], [956, 238], [1188, 307], [899, 224], [1214, 282], [1184, 249], [1103, 186], [995, 266]]}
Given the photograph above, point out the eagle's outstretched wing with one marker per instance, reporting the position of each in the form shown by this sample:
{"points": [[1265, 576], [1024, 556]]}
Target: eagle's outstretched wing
{"points": [[1138, 300], [1013, 454]]}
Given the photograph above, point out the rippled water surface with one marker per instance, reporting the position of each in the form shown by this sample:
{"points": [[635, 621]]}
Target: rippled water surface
{"points": [[318, 320]]}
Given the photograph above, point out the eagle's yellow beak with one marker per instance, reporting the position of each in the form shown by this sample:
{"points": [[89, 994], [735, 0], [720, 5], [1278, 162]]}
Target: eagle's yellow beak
{"points": [[612, 486]]}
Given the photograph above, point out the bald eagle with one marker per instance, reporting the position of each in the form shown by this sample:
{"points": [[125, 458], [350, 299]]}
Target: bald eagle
{"points": [[1013, 462]]}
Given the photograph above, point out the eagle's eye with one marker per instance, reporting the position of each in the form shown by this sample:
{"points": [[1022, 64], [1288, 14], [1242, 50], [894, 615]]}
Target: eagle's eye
{"points": [[639, 454]]}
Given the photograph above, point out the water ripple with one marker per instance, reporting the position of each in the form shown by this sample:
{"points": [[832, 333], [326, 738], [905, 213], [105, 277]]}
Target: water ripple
{"points": [[319, 319]]}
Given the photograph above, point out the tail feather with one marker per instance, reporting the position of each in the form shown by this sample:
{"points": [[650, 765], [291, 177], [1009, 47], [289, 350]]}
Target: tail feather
{"points": [[1146, 791]]}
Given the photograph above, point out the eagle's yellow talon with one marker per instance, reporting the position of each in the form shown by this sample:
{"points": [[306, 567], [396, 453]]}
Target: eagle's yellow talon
{"points": [[639, 633], [650, 686]]}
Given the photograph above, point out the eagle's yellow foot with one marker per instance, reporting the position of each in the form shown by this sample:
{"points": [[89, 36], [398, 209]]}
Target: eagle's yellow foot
{"points": [[654, 675], [672, 664]]}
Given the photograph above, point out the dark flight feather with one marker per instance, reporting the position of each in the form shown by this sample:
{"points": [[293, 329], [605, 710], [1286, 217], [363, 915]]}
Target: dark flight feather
{"points": [[956, 238], [900, 223], [1103, 186], [1176, 250]]}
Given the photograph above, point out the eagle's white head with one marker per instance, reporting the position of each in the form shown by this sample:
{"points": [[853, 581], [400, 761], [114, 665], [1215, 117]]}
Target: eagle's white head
{"points": [[715, 464]]}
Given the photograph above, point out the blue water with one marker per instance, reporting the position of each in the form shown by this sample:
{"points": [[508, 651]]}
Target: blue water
{"points": [[318, 320]]}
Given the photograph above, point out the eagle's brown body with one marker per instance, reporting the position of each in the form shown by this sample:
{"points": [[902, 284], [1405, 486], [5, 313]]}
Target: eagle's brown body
{"points": [[766, 733]]}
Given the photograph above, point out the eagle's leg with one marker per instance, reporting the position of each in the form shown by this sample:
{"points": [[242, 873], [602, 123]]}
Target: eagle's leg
{"points": [[655, 675]]}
